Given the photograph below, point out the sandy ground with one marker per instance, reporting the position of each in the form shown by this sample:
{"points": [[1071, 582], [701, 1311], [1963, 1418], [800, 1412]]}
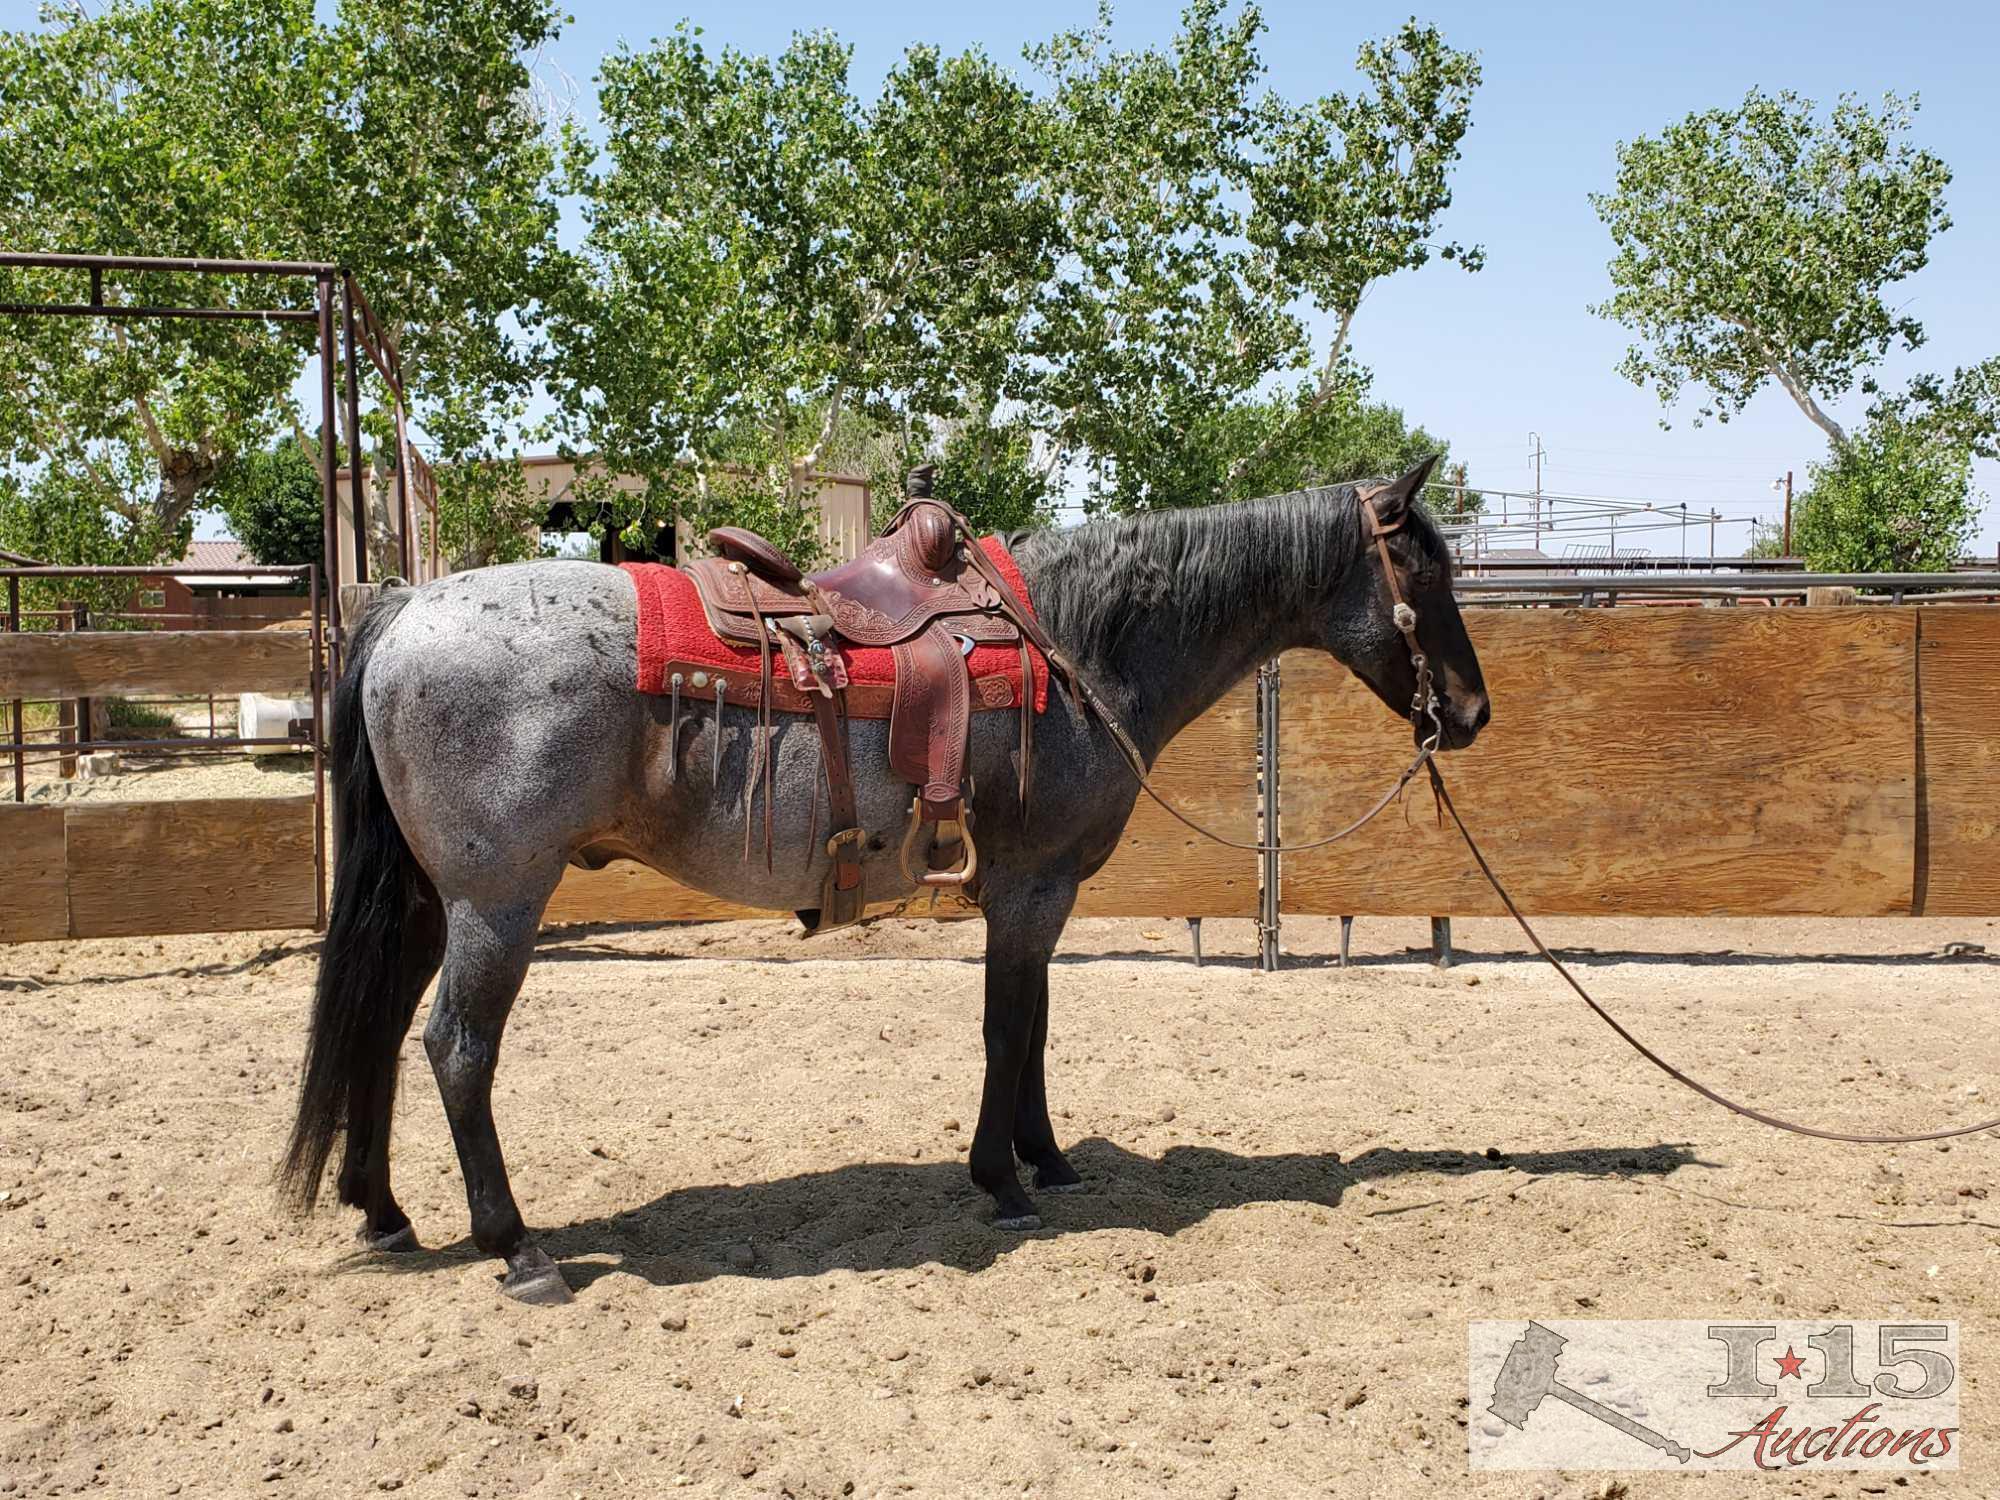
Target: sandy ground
{"points": [[749, 1153], [172, 778], [153, 776]]}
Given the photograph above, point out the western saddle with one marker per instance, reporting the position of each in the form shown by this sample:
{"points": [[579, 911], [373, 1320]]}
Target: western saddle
{"points": [[926, 590]]}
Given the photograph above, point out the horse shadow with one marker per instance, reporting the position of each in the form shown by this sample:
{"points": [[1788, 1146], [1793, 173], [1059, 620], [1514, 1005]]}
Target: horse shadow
{"points": [[878, 1215]]}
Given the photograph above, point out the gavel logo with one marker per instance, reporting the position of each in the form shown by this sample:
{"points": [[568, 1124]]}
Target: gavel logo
{"points": [[1529, 1375]]}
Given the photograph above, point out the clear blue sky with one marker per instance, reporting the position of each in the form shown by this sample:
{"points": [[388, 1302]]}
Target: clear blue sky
{"points": [[1485, 359]]}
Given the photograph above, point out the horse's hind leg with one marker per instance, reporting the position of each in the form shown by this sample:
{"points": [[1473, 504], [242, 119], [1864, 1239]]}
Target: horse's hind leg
{"points": [[364, 1165], [486, 957]]}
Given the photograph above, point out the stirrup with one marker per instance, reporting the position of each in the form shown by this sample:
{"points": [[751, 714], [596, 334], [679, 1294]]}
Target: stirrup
{"points": [[968, 866]]}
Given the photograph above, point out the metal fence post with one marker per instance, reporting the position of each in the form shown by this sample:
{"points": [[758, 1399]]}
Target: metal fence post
{"points": [[15, 707], [322, 700], [1267, 782]]}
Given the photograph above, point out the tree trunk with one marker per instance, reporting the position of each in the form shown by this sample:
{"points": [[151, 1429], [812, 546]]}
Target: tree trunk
{"points": [[184, 474], [1814, 411]]}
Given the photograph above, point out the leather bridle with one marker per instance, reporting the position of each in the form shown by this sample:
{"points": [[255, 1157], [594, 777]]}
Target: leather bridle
{"points": [[1423, 704]]}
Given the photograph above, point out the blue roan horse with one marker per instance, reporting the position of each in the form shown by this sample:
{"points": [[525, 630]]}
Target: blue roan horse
{"points": [[487, 733]]}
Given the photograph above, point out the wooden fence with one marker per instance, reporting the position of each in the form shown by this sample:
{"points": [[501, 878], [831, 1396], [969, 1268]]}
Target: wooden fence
{"points": [[1641, 762], [1674, 762], [119, 869]]}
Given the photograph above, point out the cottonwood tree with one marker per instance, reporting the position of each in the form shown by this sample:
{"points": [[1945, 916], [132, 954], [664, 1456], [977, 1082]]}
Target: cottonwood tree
{"points": [[1105, 278], [768, 258], [144, 130], [1755, 244], [404, 142], [1202, 221], [1895, 497], [1898, 495]]}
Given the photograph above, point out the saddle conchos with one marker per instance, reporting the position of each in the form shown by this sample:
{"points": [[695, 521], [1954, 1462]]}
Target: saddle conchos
{"points": [[928, 591]]}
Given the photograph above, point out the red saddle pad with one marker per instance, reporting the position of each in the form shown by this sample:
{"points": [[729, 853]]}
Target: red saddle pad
{"points": [[674, 634]]}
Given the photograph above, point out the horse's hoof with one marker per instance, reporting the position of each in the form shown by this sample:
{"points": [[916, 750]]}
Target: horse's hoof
{"points": [[1019, 1223], [389, 1242], [1057, 1176], [536, 1280]]}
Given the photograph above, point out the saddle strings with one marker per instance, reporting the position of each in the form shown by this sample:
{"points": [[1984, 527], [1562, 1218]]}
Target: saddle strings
{"points": [[763, 756]]}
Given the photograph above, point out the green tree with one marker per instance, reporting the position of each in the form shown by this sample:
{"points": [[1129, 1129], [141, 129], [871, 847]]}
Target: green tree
{"points": [[1755, 244], [1200, 221], [767, 256], [69, 516], [1895, 497], [272, 502], [1767, 539], [989, 473], [1343, 439], [1963, 411], [403, 141], [1101, 279], [144, 130]]}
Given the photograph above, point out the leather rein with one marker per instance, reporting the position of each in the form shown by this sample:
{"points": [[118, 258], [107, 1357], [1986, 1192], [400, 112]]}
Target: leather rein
{"points": [[1424, 707]]}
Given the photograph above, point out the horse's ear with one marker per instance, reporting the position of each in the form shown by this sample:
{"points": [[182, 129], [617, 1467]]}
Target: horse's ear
{"points": [[1394, 500]]}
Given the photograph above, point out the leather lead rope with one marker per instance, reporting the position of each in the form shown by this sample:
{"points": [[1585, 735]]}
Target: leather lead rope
{"points": [[1444, 800], [1422, 706]]}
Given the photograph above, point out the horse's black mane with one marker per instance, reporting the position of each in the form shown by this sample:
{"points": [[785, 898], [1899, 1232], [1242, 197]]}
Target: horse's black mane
{"points": [[1101, 578]]}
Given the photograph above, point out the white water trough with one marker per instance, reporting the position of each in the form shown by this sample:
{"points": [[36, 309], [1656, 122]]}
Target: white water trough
{"points": [[259, 717]]}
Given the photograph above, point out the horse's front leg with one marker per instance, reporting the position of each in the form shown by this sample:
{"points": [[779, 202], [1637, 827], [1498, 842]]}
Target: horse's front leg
{"points": [[1023, 922], [1034, 1133]]}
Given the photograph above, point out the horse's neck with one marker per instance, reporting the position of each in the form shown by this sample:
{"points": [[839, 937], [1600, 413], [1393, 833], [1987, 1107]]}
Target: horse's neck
{"points": [[1170, 665], [1167, 688]]}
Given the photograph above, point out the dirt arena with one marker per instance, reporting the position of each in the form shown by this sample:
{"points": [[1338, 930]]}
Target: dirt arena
{"points": [[748, 1151]]}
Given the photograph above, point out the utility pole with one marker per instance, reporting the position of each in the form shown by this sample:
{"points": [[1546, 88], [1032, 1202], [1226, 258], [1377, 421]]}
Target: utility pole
{"points": [[1788, 512], [1535, 457]]}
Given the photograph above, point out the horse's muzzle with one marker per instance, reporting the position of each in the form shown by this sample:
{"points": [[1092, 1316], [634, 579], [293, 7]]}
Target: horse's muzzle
{"points": [[1461, 720]]}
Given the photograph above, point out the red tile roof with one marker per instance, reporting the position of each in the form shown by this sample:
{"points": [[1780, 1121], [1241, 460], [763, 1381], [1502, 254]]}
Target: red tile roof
{"points": [[227, 553]]}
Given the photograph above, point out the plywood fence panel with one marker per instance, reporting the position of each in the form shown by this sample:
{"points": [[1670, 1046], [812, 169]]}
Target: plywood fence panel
{"points": [[1164, 869], [131, 663], [223, 864], [1640, 762], [1959, 656], [34, 904], [628, 892], [1160, 869]]}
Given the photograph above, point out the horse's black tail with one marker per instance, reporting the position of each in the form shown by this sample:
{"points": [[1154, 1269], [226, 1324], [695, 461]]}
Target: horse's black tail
{"points": [[360, 1008]]}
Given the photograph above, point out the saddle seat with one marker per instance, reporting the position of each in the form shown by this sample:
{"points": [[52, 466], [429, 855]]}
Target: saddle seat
{"points": [[925, 590]]}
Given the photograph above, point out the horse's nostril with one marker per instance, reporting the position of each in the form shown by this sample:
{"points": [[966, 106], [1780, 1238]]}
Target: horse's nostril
{"points": [[1484, 715]]}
